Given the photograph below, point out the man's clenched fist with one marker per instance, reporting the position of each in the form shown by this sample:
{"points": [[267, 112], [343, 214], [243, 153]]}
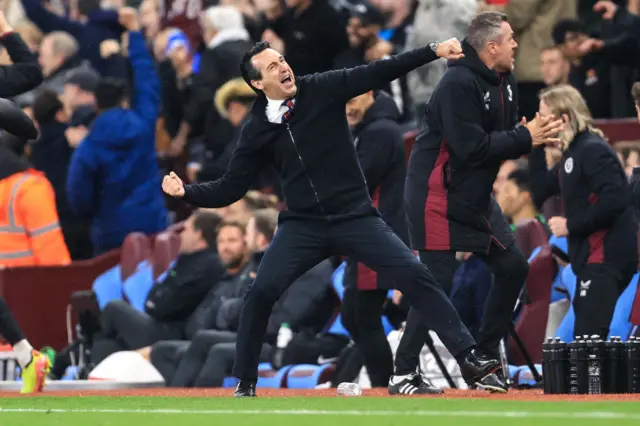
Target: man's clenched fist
{"points": [[172, 185], [128, 18]]}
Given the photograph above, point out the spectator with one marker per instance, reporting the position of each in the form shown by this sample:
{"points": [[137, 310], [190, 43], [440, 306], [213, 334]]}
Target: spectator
{"points": [[183, 15], [554, 67], [171, 306], [400, 20], [31, 35], [226, 40], [118, 155], [150, 19], [532, 22], [78, 125], [51, 154], [635, 177], [516, 200], [433, 18], [308, 32], [79, 90], [635, 92], [92, 26]]}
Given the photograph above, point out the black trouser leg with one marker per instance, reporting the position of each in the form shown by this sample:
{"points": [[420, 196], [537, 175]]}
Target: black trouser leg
{"points": [[9, 327], [361, 316], [194, 358], [372, 242], [509, 268], [443, 265], [297, 247], [598, 287], [165, 356]]}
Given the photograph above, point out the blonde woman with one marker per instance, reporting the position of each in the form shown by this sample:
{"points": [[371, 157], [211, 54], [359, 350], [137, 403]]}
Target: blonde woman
{"points": [[600, 224]]}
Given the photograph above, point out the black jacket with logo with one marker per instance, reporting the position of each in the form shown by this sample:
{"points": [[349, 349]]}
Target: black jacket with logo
{"points": [[470, 128], [597, 201], [314, 152]]}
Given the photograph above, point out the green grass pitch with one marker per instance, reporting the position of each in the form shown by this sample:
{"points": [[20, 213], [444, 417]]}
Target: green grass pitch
{"points": [[165, 411]]}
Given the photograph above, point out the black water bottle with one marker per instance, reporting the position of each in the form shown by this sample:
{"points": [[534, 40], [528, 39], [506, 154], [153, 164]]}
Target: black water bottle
{"points": [[548, 377], [595, 357], [613, 372], [632, 358], [578, 367], [556, 362]]}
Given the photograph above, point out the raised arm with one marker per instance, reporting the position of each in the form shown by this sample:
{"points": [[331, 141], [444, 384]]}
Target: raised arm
{"points": [[243, 169], [348, 83], [146, 96], [25, 73], [461, 115]]}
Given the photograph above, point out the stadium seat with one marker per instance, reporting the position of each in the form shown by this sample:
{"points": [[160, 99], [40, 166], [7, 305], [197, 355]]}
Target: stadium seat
{"points": [[307, 376], [532, 321], [165, 250], [229, 382], [529, 235], [135, 248], [108, 286], [137, 286], [270, 378]]}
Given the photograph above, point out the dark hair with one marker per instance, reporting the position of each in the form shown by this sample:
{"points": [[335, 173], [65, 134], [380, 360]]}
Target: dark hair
{"points": [[564, 26], [233, 222], [483, 28], [110, 93], [246, 67], [266, 221], [45, 106], [207, 223], [521, 178], [635, 92]]}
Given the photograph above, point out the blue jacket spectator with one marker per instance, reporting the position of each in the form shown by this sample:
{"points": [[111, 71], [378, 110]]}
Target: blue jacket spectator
{"points": [[100, 25], [113, 176]]}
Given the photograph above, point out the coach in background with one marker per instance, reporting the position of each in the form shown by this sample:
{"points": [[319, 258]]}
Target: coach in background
{"points": [[113, 176], [600, 224], [470, 128]]}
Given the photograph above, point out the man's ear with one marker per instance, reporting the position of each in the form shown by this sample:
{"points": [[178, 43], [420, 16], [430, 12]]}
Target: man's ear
{"points": [[257, 84], [565, 118]]}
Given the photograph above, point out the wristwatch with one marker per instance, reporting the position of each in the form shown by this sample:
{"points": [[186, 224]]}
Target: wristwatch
{"points": [[433, 46]]}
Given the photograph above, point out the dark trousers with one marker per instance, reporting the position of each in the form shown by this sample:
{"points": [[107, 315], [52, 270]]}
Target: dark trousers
{"points": [[202, 362], [123, 328], [598, 287], [301, 244], [361, 315], [509, 268], [9, 328]]}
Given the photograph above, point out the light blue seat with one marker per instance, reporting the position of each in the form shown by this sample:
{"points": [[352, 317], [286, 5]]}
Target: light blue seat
{"points": [[276, 381], [305, 380], [138, 285], [108, 286]]}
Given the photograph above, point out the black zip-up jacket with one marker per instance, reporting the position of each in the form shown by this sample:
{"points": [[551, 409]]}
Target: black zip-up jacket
{"points": [[24, 74], [597, 201], [470, 128], [314, 152]]}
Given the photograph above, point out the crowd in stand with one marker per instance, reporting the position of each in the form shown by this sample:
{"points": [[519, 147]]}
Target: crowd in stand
{"points": [[128, 96]]}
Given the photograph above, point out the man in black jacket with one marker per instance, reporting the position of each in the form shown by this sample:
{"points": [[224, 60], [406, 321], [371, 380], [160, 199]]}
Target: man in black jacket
{"points": [[470, 128], [299, 125]]}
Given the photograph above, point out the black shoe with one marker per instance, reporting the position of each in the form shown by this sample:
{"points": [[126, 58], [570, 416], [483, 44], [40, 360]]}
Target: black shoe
{"points": [[476, 369], [493, 383], [414, 384], [245, 389]]}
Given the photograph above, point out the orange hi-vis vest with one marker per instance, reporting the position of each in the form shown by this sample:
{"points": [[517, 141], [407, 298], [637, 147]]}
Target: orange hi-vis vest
{"points": [[30, 233]]}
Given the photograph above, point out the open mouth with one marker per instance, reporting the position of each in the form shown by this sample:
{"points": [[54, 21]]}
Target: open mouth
{"points": [[286, 79]]}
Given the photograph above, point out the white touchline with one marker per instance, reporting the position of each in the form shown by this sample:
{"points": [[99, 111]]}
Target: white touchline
{"points": [[419, 413]]}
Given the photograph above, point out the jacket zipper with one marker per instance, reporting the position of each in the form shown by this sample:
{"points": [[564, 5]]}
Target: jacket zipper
{"points": [[293, 141], [502, 103]]}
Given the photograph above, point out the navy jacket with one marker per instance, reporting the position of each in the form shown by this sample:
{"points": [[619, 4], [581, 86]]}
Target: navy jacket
{"points": [[113, 177], [314, 153], [469, 130], [597, 202]]}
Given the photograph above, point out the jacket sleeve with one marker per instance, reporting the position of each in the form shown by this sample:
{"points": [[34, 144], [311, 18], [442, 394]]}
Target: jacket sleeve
{"points": [[461, 114], [146, 84], [24, 74], [348, 83], [601, 170], [80, 182], [374, 152], [545, 182], [634, 183], [181, 292], [521, 13], [243, 168], [37, 207]]}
